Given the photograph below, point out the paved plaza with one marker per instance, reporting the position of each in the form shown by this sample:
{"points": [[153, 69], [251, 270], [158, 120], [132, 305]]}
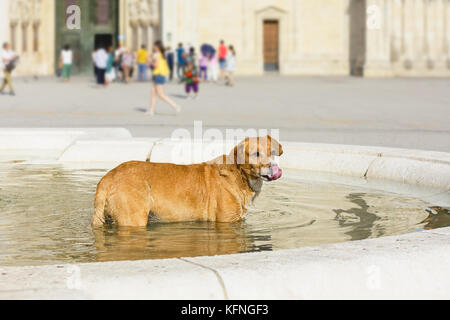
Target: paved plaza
{"points": [[405, 113]]}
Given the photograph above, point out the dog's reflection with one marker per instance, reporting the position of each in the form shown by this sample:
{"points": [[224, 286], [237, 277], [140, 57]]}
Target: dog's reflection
{"points": [[172, 240], [438, 217]]}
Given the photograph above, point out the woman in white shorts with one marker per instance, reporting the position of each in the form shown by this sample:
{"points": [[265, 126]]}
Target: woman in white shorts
{"points": [[213, 67]]}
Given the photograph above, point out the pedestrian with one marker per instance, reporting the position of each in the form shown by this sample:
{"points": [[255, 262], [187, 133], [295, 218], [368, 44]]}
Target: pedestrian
{"points": [[118, 61], [203, 65], [191, 57], [127, 65], [94, 54], [170, 57], [65, 61], [213, 68], [110, 72], [191, 79], [222, 52], [160, 71], [231, 66], [8, 61], [101, 60], [142, 61], [180, 61]]}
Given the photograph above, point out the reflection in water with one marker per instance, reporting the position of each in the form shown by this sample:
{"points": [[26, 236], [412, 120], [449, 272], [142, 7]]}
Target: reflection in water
{"points": [[438, 217], [45, 216], [360, 217], [164, 240]]}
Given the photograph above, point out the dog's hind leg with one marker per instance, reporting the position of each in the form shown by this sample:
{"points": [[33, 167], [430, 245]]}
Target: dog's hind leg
{"points": [[131, 213], [98, 218], [130, 209]]}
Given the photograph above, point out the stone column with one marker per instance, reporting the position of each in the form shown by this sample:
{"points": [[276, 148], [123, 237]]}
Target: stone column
{"points": [[421, 35], [14, 17], [156, 8], [36, 23], [144, 24], [408, 33], [133, 25], [168, 22], [378, 62], [4, 22], [397, 36], [447, 32], [441, 21], [122, 21]]}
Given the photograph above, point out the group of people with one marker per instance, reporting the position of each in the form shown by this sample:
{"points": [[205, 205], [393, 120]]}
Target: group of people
{"points": [[118, 65], [113, 65], [206, 67], [108, 64]]}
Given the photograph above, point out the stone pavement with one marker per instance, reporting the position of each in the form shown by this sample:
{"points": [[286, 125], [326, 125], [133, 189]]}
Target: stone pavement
{"points": [[404, 113]]}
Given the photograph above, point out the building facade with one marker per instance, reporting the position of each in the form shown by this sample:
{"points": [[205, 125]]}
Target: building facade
{"points": [[29, 27], [373, 38]]}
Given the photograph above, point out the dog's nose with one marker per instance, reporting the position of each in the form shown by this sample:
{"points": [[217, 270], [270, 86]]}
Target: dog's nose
{"points": [[276, 171]]}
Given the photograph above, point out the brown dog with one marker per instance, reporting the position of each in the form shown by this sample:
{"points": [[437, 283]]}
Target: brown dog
{"points": [[218, 190]]}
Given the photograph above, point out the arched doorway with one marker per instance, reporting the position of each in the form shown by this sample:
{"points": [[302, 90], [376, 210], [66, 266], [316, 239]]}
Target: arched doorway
{"points": [[271, 51], [271, 39]]}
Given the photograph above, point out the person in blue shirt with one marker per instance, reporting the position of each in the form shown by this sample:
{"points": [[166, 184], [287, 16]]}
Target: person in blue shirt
{"points": [[170, 58], [110, 74], [181, 61]]}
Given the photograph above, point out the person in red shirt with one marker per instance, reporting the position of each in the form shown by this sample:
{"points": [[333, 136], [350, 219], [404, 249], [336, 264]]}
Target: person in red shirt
{"points": [[222, 52]]}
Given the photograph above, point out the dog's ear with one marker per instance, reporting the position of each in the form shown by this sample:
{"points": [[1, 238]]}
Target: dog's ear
{"points": [[239, 152], [278, 149], [274, 146]]}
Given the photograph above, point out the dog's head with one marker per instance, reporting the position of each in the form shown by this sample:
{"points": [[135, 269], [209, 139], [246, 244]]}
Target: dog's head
{"points": [[257, 157]]}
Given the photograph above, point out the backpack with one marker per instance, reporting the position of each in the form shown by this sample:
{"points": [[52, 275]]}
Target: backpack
{"points": [[10, 66]]}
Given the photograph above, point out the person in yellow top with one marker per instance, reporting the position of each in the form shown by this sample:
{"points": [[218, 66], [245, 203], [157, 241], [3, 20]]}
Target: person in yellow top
{"points": [[160, 72], [142, 62]]}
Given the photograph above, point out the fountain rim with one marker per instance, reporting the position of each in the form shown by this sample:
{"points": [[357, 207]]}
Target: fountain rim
{"points": [[405, 266]]}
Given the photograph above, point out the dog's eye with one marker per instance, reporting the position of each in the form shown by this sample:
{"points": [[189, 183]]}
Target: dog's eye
{"points": [[273, 153], [256, 154]]}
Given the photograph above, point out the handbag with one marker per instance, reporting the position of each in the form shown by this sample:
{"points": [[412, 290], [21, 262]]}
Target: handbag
{"points": [[10, 66]]}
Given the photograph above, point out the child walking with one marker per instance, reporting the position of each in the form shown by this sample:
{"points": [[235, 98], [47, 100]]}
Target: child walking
{"points": [[65, 62], [191, 79]]}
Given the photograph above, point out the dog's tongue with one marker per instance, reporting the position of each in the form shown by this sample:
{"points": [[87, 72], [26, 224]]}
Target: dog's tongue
{"points": [[276, 172]]}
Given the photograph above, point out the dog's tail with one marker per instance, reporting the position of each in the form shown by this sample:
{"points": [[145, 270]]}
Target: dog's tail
{"points": [[98, 218]]}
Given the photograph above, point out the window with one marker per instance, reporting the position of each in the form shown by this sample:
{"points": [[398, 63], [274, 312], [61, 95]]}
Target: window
{"points": [[36, 37], [103, 11]]}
